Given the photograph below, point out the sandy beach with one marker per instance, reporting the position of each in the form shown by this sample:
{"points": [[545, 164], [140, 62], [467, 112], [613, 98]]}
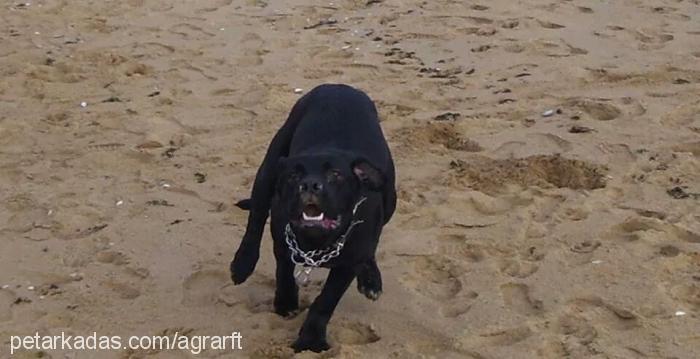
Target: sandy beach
{"points": [[547, 155]]}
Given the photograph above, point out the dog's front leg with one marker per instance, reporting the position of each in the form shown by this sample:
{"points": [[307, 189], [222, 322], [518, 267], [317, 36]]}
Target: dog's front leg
{"points": [[287, 292], [369, 279], [312, 335]]}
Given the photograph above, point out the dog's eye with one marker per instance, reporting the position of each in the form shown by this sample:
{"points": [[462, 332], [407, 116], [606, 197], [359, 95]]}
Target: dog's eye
{"points": [[334, 175]]}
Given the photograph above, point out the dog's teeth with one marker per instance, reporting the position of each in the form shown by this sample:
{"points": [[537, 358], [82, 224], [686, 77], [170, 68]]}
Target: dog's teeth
{"points": [[310, 218]]}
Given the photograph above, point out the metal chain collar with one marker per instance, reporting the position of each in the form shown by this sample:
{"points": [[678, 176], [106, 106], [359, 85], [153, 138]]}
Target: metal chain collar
{"points": [[317, 257]]}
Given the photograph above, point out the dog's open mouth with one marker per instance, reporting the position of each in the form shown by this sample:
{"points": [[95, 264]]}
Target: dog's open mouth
{"points": [[313, 216]]}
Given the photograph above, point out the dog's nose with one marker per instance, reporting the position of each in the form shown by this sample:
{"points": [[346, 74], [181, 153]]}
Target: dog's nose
{"points": [[312, 186]]}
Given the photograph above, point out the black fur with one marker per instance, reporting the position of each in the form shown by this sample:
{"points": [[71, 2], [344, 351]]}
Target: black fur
{"points": [[329, 154], [244, 204]]}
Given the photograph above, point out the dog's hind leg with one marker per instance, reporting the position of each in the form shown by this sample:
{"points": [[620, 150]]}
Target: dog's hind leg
{"points": [[248, 252], [369, 279], [312, 335]]}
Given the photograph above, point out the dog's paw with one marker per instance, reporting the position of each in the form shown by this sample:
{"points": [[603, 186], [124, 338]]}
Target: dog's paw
{"points": [[315, 345], [369, 292], [287, 313], [369, 283], [286, 309], [243, 264]]}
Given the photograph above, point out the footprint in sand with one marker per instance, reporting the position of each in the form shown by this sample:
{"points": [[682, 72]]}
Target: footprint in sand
{"points": [[458, 246], [517, 296], [435, 277], [150, 50], [254, 48], [692, 147], [651, 39], [633, 228], [497, 337], [259, 294], [459, 305], [25, 214], [479, 31], [190, 32], [122, 290], [319, 73], [596, 109], [203, 287], [685, 115], [138, 272], [586, 246], [112, 257], [688, 293], [549, 140], [577, 327], [355, 333], [28, 220], [669, 251], [59, 72], [546, 47], [517, 268], [398, 56], [212, 5], [550, 25], [607, 314], [394, 111]]}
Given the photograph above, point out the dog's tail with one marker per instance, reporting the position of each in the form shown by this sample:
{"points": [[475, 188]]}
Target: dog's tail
{"points": [[244, 204]]}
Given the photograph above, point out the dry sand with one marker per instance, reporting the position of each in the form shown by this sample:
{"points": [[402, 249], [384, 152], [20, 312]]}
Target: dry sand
{"points": [[517, 235]]}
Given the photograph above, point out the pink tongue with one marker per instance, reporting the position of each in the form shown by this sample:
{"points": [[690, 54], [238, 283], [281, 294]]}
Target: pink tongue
{"points": [[327, 223]]}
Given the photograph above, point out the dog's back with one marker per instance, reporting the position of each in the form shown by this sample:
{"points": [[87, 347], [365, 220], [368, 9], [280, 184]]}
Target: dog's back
{"points": [[339, 117]]}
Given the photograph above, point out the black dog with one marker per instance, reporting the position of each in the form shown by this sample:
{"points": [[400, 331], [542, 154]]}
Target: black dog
{"points": [[328, 181]]}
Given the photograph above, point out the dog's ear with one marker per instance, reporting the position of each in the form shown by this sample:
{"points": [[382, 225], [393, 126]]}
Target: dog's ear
{"points": [[367, 174]]}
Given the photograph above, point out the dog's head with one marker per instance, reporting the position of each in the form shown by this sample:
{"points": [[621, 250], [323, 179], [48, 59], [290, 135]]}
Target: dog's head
{"points": [[321, 191]]}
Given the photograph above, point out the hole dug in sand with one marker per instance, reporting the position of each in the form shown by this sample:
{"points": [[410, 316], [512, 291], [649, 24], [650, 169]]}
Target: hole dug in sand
{"points": [[355, 333], [436, 133], [490, 175]]}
